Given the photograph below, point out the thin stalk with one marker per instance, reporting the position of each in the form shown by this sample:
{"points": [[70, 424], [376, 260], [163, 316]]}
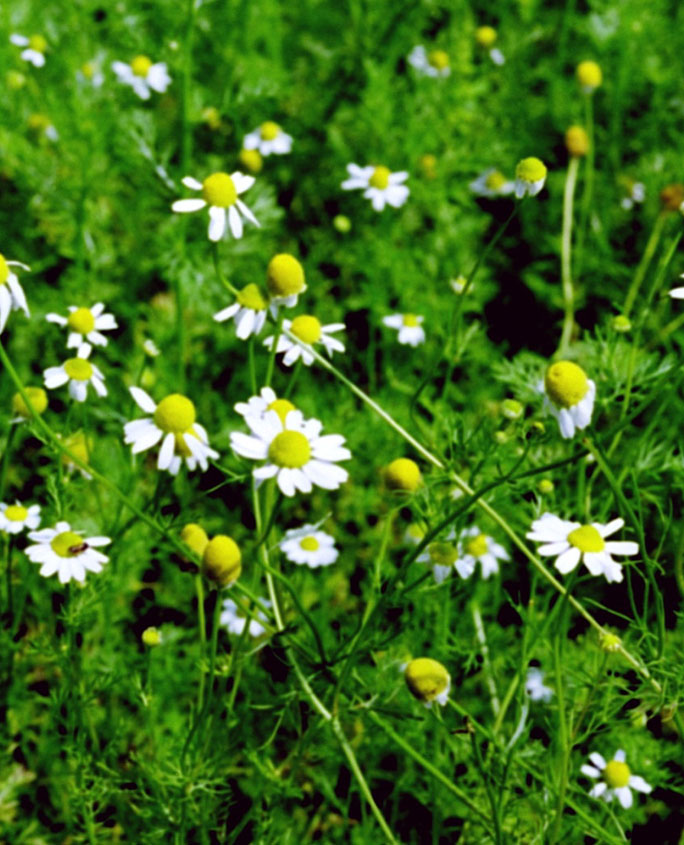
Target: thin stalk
{"points": [[202, 630], [565, 746], [272, 355], [186, 134], [566, 252], [588, 193], [5, 458], [219, 272], [484, 648], [649, 252]]}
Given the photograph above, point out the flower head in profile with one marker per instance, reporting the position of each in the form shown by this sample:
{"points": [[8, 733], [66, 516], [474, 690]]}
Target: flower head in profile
{"points": [[249, 311], [251, 160], [85, 323], [491, 183], [293, 452], [429, 63], [78, 372], [143, 76], [35, 47], [310, 546], [571, 542], [402, 476], [222, 561], [577, 141], [428, 681], [65, 552], [411, 332], [569, 396], [379, 185], [615, 779], [233, 619], [221, 193], [285, 279], [535, 686], [17, 517], [589, 76], [530, 176], [268, 139], [310, 332], [11, 292], [174, 422]]}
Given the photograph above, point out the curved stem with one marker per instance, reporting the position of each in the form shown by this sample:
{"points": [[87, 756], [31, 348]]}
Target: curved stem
{"points": [[646, 258], [566, 248]]}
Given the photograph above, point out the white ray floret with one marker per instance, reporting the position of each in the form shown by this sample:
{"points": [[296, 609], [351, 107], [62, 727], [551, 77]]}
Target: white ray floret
{"points": [[310, 546], [12, 295], [434, 63], [268, 139], [535, 686], [232, 618], [409, 326], [249, 312], [143, 76], [35, 47]]}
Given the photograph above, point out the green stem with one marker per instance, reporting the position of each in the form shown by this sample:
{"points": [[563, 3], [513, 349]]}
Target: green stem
{"points": [[202, 630], [219, 273], [186, 134], [272, 355], [646, 258], [566, 251], [484, 648], [565, 747], [5, 458], [588, 193]]}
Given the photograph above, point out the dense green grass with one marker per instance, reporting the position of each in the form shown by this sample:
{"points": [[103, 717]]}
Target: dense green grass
{"points": [[308, 732]]}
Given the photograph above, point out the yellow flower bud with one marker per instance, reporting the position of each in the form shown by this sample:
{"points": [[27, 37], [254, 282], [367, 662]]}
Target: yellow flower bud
{"points": [[285, 276], [609, 642], [512, 409], [403, 476], [577, 141], [252, 160], [486, 36], [428, 680], [621, 323], [221, 561], [589, 76], [545, 486], [194, 536], [342, 223], [151, 637], [37, 397]]}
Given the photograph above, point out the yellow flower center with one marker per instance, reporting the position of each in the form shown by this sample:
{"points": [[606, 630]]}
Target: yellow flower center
{"points": [[426, 678], [88, 70], [282, 407], [37, 397], [4, 269], [78, 369], [443, 554], [309, 544], [289, 449], [16, 513], [141, 65], [589, 74], [306, 328], [37, 43], [252, 160], [222, 560], [403, 474], [68, 544], [380, 177], [476, 546], [269, 130], [485, 36], [219, 190], [586, 539], [81, 321], [495, 180], [285, 275], [410, 320], [566, 384], [530, 170], [251, 297], [438, 59], [616, 774], [175, 414]]}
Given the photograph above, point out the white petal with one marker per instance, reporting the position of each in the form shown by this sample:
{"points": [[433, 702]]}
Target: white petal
{"points": [[638, 783], [166, 452], [19, 40], [242, 181], [217, 223], [56, 318], [188, 205], [624, 795], [227, 313], [247, 212], [568, 560], [286, 482], [149, 437], [192, 183], [235, 222], [598, 760], [590, 771], [55, 377], [625, 547], [143, 400]]}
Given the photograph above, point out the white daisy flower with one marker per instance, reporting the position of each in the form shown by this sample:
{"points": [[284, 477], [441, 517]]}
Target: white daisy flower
{"points": [[79, 373], [91, 74], [434, 63], [250, 311], [411, 333], [85, 323], [220, 192], [530, 176], [142, 75], [294, 452], [42, 125], [535, 687], [379, 185], [616, 779], [491, 183], [15, 518], [35, 45], [636, 193], [257, 406], [572, 541], [309, 546], [310, 332], [66, 552], [232, 618], [569, 396], [474, 547], [174, 422], [267, 139], [11, 293]]}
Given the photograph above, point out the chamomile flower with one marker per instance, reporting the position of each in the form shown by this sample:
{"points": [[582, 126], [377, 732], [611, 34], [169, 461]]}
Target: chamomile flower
{"points": [[307, 545], [232, 618], [486, 37], [530, 176], [569, 396], [476, 547], [220, 192], [79, 373], [589, 76], [535, 686], [257, 406], [285, 279], [268, 139], [36, 46], [492, 183], [309, 331], [15, 518], [91, 74], [411, 332], [250, 312], [432, 63], [379, 185], [88, 323], [635, 193], [293, 451], [174, 422], [65, 552], [143, 76], [40, 126], [615, 780], [428, 681], [11, 292], [571, 542]]}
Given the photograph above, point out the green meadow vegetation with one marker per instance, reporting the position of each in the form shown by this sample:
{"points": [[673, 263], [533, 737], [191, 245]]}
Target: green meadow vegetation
{"points": [[341, 395]]}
